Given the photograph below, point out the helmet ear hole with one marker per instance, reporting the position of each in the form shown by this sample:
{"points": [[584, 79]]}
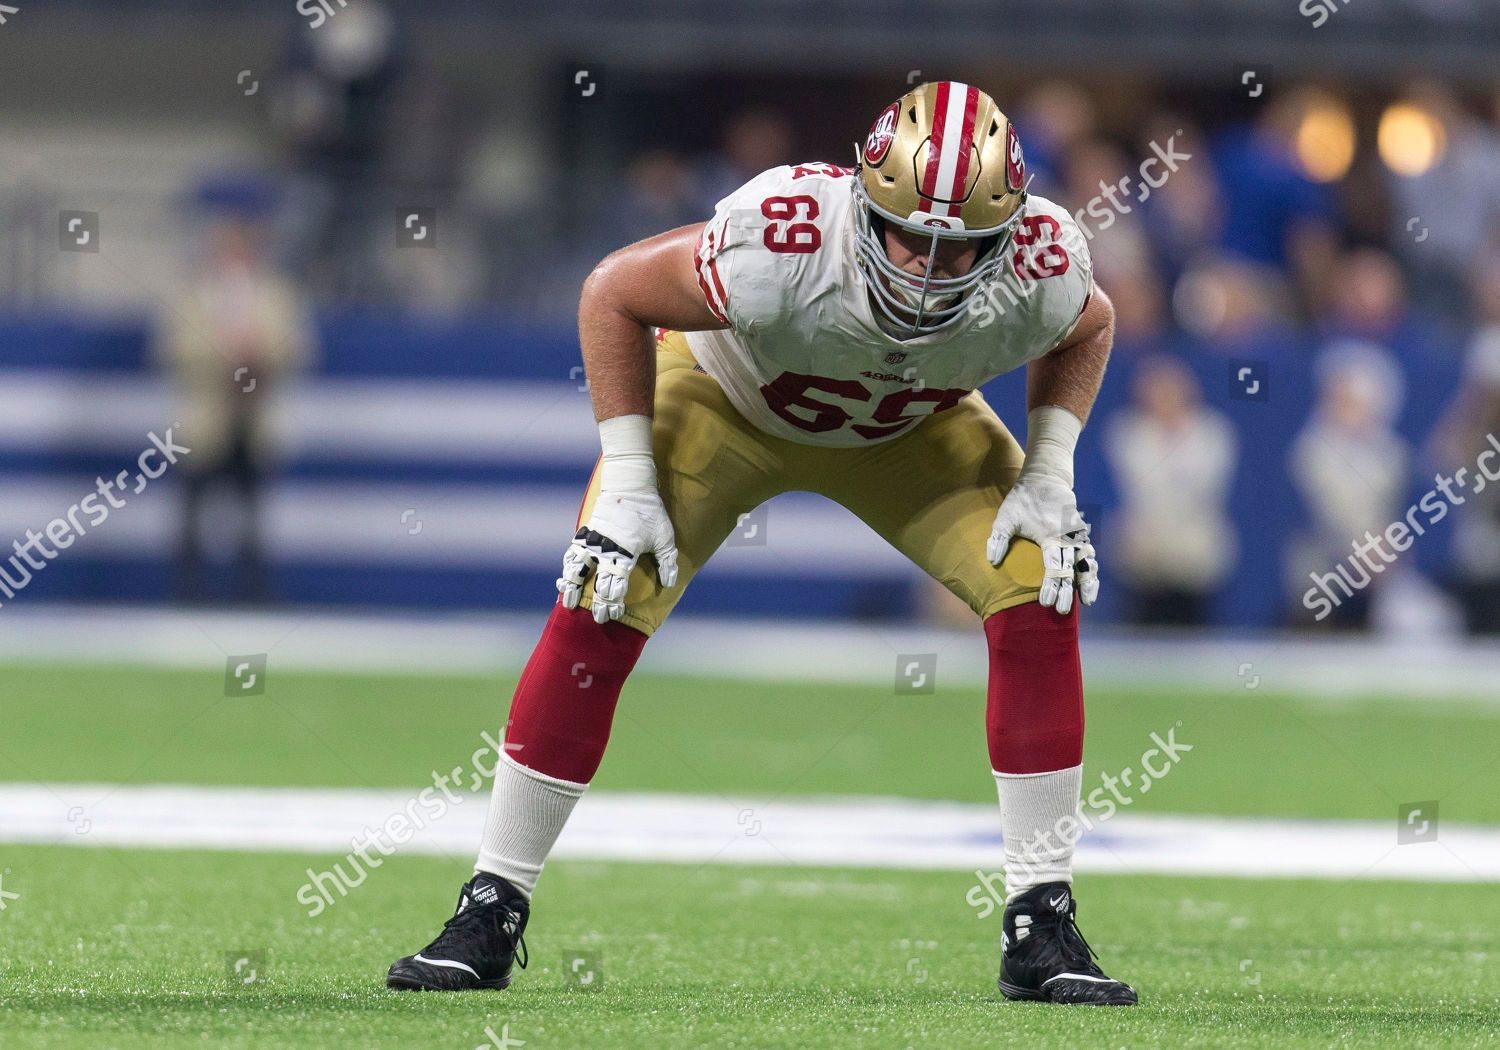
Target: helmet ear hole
{"points": [[994, 127], [911, 114]]}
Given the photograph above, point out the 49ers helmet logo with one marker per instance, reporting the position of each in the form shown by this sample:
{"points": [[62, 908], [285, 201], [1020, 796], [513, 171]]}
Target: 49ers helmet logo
{"points": [[1015, 161], [882, 132]]}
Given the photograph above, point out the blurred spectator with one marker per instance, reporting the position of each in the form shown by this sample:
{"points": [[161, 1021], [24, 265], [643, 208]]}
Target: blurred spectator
{"points": [[659, 195], [1052, 120], [1368, 300], [1141, 316], [1122, 255], [1186, 218], [1172, 459], [1237, 307], [1350, 468], [1455, 203], [230, 343], [1472, 424], [1273, 213], [753, 141], [424, 162], [335, 113]]}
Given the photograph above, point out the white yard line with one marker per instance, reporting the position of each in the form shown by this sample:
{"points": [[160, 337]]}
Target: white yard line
{"points": [[858, 833]]}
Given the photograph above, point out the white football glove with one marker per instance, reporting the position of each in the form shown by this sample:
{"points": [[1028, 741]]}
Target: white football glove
{"points": [[1041, 507], [623, 526], [628, 520]]}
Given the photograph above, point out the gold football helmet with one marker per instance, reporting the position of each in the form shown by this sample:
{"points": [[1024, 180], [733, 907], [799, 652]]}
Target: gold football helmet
{"points": [[942, 161]]}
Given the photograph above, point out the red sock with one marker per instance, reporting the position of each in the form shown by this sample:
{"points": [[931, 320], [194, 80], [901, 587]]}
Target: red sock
{"points": [[1034, 719], [565, 702]]}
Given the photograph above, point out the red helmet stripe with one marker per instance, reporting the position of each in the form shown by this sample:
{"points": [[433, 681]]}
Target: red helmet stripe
{"points": [[948, 152], [961, 161], [935, 144]]}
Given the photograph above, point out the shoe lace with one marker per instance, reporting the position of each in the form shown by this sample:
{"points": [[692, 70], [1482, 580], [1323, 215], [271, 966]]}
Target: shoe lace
{"points": [[496, 921], [1070, 940]]}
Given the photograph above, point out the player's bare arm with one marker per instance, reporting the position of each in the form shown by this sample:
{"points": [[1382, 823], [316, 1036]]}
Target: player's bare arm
{"points": [[650, 284], [1071, 374], [1061, 386]]}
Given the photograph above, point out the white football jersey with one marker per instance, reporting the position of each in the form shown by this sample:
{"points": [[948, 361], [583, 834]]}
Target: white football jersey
{"points": [[804, 357]]}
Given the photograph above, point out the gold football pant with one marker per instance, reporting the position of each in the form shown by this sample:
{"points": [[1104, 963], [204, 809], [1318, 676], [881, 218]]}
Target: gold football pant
{"points": [[932, 493]]}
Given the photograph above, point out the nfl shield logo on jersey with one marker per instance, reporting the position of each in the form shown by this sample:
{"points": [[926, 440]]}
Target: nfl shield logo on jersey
{"points": [[895, 357]]}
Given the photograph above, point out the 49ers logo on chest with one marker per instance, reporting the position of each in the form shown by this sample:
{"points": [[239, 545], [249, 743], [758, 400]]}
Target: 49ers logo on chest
{"points": [[882, 132]]}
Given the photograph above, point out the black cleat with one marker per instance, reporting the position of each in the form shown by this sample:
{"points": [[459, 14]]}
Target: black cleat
{"points": [[477, 945], [1043, 956]]}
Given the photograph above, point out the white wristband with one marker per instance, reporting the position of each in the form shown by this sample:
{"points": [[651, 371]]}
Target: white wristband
{"points": [[1051, 436], [627, 464]]}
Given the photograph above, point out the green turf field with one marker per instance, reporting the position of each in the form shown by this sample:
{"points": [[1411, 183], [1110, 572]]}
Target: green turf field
{"points": [[127, 948]]}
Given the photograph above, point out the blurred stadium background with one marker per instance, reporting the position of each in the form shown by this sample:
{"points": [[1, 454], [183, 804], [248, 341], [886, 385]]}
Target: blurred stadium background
{"points": [[1332, 227], [336, 247]]}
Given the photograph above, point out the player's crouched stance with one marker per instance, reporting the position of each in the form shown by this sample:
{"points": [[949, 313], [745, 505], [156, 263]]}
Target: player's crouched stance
{"points": [[826, 331]]}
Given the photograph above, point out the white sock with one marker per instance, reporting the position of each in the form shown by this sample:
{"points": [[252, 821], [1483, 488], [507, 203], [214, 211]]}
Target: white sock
{"points": [[1039, 818], [527, 812]]}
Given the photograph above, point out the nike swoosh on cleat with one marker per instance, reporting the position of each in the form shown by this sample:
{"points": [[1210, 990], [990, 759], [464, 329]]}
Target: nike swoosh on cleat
{"points": [[449, 963], [1073, 977]]}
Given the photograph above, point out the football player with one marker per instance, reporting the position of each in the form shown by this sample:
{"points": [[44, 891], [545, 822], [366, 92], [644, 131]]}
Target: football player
{"points": [[827, 331]]}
